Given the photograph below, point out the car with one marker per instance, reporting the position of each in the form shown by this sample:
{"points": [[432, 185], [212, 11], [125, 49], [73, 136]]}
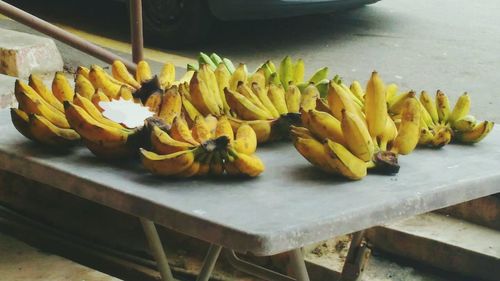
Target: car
{"points": [[181, 22]]}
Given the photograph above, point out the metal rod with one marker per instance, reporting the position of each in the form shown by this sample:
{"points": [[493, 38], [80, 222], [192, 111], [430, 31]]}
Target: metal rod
{"points": [[253, 269], [209, 263], [298, 265], [61, 35], [357, 239], [157, 249], [136, 30]]}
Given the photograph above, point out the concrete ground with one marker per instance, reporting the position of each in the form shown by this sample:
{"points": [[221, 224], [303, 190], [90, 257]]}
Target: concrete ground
{"points": [[452, 45]]}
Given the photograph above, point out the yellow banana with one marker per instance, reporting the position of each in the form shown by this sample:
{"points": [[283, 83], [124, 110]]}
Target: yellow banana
{"points": [[84, 87], [396, 104], [479, 132], [314, 152], [143, 72], [357, 90], [277, 96], [263, 128], [167, 75], [98, 97], [202, 97], [154, 102], [324, 125], [464, 124], [298, 71], [261, 93], [120, 73], [292, 99], [21, 122], [47, 133], [244, 108], [322, 105], [375, 105], [245, 140], [442, 136], [302, 132], [244, 90], [391, 91], [430, 106], [389, 134], [426, 136], [30, 102], [461, 109], [82, 70], [223, 76], [357, 136], [249, 165], [207, 75], [61, 88], [99, 78], [125, 93], [409, 129], [443, 107], [169, 164], [212, 124], [339, 99], [189, 109], [191, 170], [238, 75], [38, 86], [200, 131], [224, 128], [342, 160], [94, 112], [163, 143], [286, 72], [171, 105], [180, 131], [309, 97], [259, 78]]}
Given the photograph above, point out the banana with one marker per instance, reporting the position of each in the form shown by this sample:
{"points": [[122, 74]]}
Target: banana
{"points": [[47, 133], [82, 70], [202, 96], [204, 59], [189, 109], [224, 128], [314, 152], [245, 140], [375, 105], [94, 112], [185, 78], [167, 75], [319, 75], [180, 131], [244, 108], [212, 124], [244, 90], [30, 102], [322, 105], [442, 136], [480, 131], [274, 79], [261, 93], [302, 132], [409, 129], [342, 160], [163, 143], [465, 124], [223, 76], [292, 99], [21, 122], [357, 90], [200, 131], [83, 86], [169, 164], [154, 102], [259, 78], [389, 134], [38, 86], [443, 107], [309, 97], [191, 171], [238, 75], [298, 71], [429, 105], [91, 130], [249, 165], [207, 75], [61, 88], [391, 91], [143, 72], [98, 97], [461, 109], [323, 125], [126, 94], [229, 65], [396, 104], [357, 136], [286, 71], [120, 73], [171, 105], [216, 59], [426, 136], [339, 100], [263, 128], [277, 96], [323, 86], [359, 103], [100, 79]]}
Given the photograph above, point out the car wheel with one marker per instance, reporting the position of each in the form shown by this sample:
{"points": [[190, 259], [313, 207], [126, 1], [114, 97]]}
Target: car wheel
{"points": [[176, 23]]}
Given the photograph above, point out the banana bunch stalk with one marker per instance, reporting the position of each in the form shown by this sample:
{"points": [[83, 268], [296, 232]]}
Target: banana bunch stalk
{"points": [[210, 147], [441, 124], [353, 132]]}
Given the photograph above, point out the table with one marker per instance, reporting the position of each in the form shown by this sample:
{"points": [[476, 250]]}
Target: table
{"points": [[290, 205]]}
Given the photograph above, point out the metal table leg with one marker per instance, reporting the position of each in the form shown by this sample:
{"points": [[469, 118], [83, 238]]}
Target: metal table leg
{"points": [[298, 265], [253, 269], [209, 263], [356, 259], [157, 249]]}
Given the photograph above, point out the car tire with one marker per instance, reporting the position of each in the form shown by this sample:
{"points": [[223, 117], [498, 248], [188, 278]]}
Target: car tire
{"points": [[176, 23]]}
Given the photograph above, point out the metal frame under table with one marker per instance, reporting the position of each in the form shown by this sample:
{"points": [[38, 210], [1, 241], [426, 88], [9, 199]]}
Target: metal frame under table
{"points": [[290, 205]]}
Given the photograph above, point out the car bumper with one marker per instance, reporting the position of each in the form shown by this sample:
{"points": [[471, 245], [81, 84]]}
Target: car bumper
{"points": [[266, 9]]}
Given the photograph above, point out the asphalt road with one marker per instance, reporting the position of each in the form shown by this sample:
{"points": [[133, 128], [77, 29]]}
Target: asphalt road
{"points": [[452, 45]]}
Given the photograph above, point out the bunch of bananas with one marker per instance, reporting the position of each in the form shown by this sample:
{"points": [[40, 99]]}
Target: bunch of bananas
{"points": [[352, 130], [440, 124], [210, 147]]}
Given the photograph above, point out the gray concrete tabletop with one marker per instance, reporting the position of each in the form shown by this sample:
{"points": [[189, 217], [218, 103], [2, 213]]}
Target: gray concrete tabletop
{"points": [[290, 205]]}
